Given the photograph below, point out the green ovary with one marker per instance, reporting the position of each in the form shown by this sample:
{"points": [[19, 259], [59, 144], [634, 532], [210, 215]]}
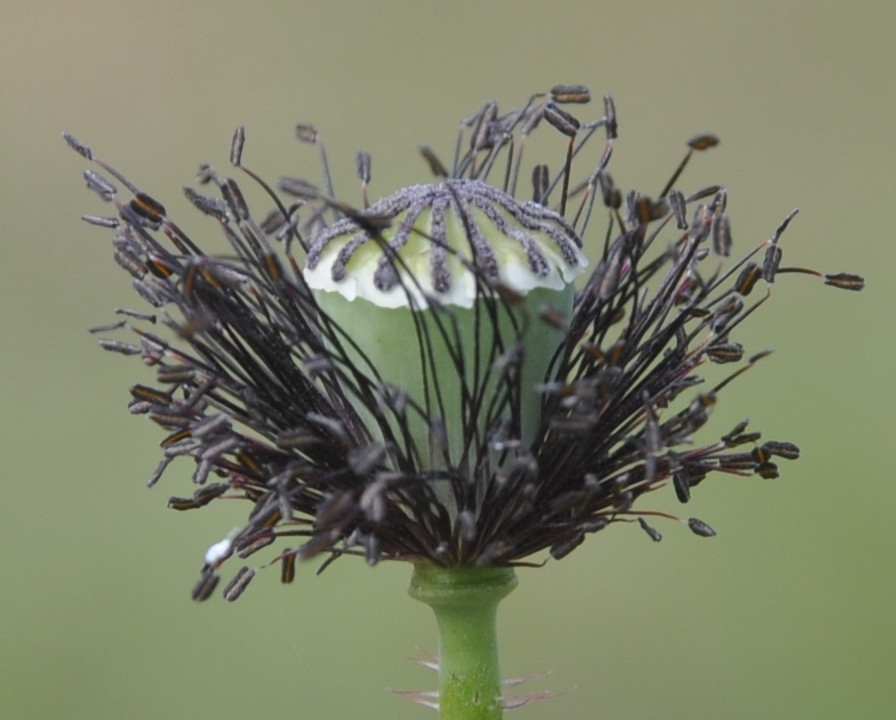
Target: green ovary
{"points": [[447, 360]]}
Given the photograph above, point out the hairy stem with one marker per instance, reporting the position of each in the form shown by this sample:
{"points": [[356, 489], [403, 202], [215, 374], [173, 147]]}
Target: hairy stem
{"points": [[465, 602]]}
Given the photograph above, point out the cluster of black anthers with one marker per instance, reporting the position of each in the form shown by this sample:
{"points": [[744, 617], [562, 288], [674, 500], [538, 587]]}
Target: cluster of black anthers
{"points": [[264, 389]]}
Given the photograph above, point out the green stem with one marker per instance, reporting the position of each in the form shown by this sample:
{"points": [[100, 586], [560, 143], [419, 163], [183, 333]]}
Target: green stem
{"points": [[465, 601]]}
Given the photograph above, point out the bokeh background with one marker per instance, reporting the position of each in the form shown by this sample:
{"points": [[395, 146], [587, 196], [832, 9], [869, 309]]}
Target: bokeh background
{"points": [[787, 613]]}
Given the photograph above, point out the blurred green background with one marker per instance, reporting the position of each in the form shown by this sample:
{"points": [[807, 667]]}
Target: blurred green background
{"points": [[788, 613]]}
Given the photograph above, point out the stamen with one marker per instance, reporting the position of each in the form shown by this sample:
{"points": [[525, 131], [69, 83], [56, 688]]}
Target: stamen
{"points": [[698, 527]]}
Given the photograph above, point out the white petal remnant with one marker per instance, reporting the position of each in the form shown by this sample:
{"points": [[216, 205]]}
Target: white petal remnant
{"points": [[219, 552], [435, 234]]}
